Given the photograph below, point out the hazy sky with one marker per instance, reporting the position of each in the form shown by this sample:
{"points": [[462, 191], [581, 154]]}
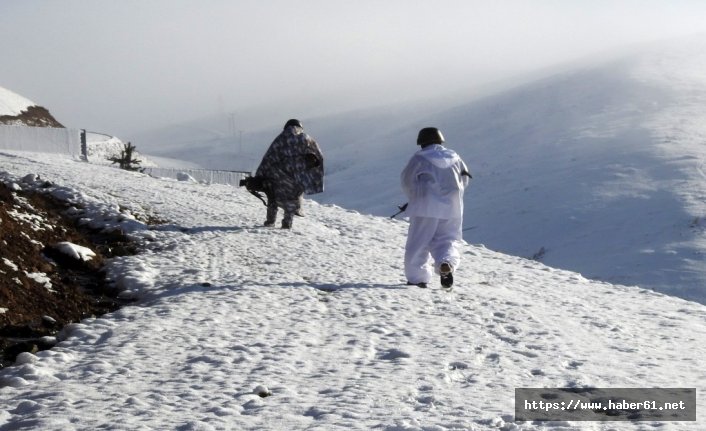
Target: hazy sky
{"points": [[120, 66]]}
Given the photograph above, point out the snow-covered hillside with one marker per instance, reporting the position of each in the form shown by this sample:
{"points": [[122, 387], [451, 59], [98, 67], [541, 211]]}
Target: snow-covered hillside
{"points": [[599, 169], [17, 110], [603, 168], [319, 319], [12, 104]]}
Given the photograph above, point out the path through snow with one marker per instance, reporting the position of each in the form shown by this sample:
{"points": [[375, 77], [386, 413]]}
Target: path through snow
{"points": [[320, 316]]}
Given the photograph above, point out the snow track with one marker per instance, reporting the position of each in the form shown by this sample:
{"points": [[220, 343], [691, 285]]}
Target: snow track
{"points": [[320, 316]]}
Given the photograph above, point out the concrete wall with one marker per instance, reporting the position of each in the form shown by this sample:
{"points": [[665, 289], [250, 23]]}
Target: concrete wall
{"points": [[40, 139]]}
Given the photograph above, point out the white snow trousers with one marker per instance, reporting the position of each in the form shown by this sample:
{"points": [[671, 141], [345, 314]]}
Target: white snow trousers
{"points": [[431, 237]]}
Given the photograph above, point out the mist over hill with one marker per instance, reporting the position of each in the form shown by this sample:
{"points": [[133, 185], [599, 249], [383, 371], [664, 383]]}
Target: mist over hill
{"points": [[598, 169]]}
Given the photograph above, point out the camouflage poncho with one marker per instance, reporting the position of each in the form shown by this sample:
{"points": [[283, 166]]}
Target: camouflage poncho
{"points": [[291, 166]]}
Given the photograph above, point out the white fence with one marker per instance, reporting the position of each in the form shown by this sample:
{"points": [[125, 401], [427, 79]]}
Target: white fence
{"points": [[68, 141], [40, 139], [202, 175]]}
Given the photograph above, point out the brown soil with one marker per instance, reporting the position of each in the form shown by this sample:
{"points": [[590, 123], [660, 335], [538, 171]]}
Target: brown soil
{"points": [[31, 224], [36, 116]]}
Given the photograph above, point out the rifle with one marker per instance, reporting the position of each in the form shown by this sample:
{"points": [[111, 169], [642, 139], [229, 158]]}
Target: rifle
{"points": [[402, 208], [254, 186]]}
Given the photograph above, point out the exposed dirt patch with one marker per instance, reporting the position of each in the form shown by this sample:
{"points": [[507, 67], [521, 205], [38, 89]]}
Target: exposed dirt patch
{"points": [[41, 288], [36, 116]]}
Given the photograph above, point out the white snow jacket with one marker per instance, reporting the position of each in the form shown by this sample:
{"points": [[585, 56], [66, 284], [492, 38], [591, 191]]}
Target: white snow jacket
{"points": [[434, 183]]}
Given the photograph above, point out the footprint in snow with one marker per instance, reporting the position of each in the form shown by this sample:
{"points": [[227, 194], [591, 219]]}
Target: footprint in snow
{"points": [[526, 353], [493, 358], [573, 365], [316, 413], [394, 354], [504, 338], [512, 329], [458, 366], [535, 347], [426, 399]]}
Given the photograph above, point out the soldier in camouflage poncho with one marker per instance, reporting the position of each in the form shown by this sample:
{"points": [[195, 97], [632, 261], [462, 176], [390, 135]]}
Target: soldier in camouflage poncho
{"points": [[292, 166]]}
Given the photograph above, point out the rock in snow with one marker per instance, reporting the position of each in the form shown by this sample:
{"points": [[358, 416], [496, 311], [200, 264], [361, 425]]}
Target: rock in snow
{"points": [[183, 176]]}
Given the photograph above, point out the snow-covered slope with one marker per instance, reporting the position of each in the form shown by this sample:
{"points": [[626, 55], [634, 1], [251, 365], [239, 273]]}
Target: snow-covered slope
{"points": [[12, 104], [319, 317], [602, 168], [17, 110], [599, 169]]}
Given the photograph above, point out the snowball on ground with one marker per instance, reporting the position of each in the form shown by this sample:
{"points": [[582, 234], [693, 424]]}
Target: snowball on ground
{"points": [[30, 178], [74, 251]]}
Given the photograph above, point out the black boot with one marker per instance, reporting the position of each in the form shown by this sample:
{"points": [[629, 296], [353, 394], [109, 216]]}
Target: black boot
{"points": [[287, 220], [271, 214], [447, 278]]}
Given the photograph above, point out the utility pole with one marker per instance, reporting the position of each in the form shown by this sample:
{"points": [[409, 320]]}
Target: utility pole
{"points": [[84, 145], [231, 124]]}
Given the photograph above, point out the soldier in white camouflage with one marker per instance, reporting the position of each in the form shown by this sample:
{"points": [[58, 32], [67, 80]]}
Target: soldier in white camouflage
{"points": [[292, 166]]}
